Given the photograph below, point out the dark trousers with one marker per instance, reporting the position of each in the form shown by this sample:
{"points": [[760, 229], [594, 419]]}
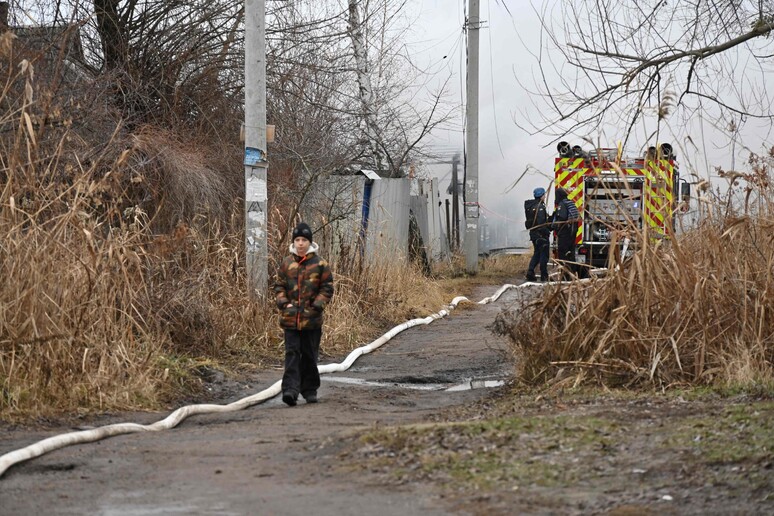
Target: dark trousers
{"points": [[566, 251], [540, 256], [301, 351]]}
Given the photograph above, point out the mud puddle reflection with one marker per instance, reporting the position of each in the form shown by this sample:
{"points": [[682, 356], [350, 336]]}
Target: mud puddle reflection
{"points": [[467, 385]]}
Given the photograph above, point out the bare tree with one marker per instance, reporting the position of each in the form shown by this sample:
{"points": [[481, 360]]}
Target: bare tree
{"points": [[167, 61], [174, 62], [326, 123], [179, 65], [366, 92], [605, 62], [394, 121]]}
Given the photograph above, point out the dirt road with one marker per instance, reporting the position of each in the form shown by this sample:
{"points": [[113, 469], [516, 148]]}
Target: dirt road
{"points": [[271, 459]]}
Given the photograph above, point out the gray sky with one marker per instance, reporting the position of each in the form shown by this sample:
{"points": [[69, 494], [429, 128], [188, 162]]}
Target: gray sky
{"points": [[505, 150], [508, 43]]}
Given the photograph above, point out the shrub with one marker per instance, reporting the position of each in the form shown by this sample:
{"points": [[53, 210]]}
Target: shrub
{"points": [[695, 310]]}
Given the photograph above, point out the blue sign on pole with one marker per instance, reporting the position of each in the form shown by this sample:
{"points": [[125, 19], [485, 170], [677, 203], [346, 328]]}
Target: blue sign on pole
{"points": [[253, 156]]}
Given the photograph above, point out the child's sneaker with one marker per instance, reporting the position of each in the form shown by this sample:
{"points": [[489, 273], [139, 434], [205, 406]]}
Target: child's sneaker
{"points": [[311, 397]]}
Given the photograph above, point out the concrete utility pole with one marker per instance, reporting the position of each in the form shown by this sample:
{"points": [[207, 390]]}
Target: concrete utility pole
{"points": [[4, 7], [448, 228], [256, 164], [455, 203], [471, 163]]}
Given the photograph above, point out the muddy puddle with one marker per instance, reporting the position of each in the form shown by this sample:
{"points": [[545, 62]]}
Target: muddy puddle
{"points": [[467, 385]]}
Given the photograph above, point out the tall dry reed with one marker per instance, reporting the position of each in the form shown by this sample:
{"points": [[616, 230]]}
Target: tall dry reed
{"points": [[695, 310], [99, 312], [121, 258], [72, 300]]}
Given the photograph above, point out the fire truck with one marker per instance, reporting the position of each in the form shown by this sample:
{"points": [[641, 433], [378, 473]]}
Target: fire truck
{"points": [[620, 198]]}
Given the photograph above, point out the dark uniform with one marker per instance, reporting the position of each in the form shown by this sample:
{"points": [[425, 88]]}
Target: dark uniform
{"points": [[539, 234], [565, 223]]}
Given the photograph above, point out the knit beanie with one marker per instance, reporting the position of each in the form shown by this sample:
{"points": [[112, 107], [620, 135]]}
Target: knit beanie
{"points": [[303, 230]]}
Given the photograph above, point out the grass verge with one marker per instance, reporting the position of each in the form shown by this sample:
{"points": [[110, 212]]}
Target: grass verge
{"points": [[586, 451]]}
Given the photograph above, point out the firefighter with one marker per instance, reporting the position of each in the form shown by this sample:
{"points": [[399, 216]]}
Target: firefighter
{"points": [[565, 223], [539, 233]]}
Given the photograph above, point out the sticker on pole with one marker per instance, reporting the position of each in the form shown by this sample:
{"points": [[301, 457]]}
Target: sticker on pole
{"points": [[253, 156], [255, 190]]}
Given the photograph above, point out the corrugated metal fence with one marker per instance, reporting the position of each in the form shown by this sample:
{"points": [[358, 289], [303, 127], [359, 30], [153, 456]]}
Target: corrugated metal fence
{"points": [[354, 214]]}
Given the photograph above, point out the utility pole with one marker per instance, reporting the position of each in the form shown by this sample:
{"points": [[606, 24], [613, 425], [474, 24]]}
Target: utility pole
{"points": [[455, 202], [256, 163], [471, 161], [448, 228]]}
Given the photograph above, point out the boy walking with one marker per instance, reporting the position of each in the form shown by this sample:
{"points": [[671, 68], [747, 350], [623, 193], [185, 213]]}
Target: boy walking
{"points": [[303, 288]]}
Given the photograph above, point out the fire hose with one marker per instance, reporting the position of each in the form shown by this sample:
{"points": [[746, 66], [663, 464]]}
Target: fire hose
{"points": [[96, 434]]}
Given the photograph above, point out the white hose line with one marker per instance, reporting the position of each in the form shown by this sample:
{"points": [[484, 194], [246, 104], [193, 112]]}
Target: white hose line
{"points": [[86, 436]]}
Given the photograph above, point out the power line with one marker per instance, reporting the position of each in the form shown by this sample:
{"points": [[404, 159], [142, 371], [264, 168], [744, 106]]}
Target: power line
{"points": [[496, 214], [491, 80]]}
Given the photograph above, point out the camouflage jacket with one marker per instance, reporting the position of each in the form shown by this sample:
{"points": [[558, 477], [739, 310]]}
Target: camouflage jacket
{"points": [[306, 283]]}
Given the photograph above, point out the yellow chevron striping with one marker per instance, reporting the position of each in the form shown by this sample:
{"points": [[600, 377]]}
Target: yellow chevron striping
{"points": [[652, 207], [561, 178], [656, 215], [569, 178], [576, 194]]}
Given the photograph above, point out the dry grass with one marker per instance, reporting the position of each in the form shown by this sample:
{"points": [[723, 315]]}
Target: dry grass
{"points": [[504, 267], [377, 297], [99, 312], [71, 303], [698, 310], [496, 270], [122, 259], [180, 180]]}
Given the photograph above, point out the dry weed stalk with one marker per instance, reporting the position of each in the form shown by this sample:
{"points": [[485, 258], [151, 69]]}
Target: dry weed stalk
{"points": [[695, 310], [374, 296], [121, 257], [95, 310], [98, 312], [71, 329]]}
